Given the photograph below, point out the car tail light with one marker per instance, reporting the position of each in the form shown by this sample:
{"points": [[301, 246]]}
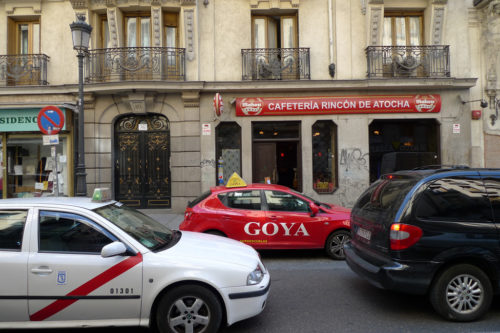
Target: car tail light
{"points": [[187, 216], [404, 235]]}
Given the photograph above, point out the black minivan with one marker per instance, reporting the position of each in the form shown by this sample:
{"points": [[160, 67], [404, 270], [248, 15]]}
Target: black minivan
{"points": [[434, 232]]}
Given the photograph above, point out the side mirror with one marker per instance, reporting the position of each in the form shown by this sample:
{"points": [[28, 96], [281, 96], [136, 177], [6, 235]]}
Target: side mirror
{"points": [[113, 249], [314, 209]]}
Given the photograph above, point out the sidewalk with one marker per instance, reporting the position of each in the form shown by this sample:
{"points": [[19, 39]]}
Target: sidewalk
{"points": [[170, 220]]}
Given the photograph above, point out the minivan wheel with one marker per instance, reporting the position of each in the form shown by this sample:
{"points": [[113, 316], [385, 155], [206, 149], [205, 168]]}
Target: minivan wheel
{"points": [[461, 293], [334, 246], [189, 308]]}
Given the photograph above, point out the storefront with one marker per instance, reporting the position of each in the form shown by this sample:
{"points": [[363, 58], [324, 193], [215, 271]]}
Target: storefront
{"points": [[328, 145], [29, 167]]}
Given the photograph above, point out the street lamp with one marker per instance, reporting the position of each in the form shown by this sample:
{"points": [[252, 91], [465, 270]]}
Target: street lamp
{"points": [[81, 36]]}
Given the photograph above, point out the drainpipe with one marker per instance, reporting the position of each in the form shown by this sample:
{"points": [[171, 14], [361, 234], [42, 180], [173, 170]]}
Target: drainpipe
{"points": [[331, 67]]}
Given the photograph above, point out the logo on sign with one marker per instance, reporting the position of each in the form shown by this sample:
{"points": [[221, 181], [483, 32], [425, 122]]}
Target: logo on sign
{"points": [[251, 106], [425, 103], [61, 277]]}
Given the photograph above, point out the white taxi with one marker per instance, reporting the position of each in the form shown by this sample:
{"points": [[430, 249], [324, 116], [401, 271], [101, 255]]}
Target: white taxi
{"points": [[73, 262]]}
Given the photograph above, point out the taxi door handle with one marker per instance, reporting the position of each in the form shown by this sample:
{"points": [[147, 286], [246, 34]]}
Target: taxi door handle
{"points": [[42, 270]]}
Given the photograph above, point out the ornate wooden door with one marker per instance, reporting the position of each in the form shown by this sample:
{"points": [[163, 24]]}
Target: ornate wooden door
{"points": [[142, 161]]}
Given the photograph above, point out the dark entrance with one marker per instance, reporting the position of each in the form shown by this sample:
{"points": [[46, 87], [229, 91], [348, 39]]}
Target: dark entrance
{"points": [[142, 155], [402, 145], [276, 153]]}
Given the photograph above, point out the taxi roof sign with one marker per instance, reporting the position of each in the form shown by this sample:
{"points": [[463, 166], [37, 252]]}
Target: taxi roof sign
{"points": [[235, 181], [101, 195]]}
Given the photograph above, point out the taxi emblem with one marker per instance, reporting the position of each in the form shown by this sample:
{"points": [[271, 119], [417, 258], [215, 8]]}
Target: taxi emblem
{"points": [[235, 181]]}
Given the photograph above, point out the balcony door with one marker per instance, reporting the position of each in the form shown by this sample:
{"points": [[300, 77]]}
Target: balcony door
{"points": [[24, 43], [171, 64], [276, 42], [138, 58]]}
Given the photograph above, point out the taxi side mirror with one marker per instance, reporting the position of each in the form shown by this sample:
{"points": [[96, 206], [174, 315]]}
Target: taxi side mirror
{"points": [[113, 249], [314, 209]]}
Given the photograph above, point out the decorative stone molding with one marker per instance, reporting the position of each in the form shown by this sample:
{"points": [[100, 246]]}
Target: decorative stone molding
{"points": [[113, 27], [156, 25], [188, 2], [494, 7], [376, 21], [189, 33], [11, 6], [80, 4], [437, 25], [439, 2], [137, 102], [275, 4], [191, 99]]}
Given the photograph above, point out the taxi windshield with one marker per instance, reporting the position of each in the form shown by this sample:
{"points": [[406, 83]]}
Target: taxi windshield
{"points": [[141, 227]]}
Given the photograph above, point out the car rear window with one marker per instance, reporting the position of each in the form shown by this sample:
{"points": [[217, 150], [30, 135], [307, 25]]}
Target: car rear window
{"points": [[381, 201], [196, 201]]}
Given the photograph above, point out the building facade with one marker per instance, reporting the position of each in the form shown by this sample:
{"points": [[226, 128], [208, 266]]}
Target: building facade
{"points": [[320, 95]]}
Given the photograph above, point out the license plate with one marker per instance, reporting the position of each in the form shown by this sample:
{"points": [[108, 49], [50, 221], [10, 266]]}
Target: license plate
{"points": [[363, 233]]}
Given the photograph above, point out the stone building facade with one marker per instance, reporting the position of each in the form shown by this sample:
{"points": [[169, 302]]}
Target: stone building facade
{"points": [[320, 95]]}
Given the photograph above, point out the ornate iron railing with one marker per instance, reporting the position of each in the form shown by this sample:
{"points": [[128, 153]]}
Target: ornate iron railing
{"points": [[135, 63], [25, 69], [276, 64], [408, 61]]}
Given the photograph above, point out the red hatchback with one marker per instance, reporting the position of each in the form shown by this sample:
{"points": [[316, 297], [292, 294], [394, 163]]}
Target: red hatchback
{"points": [[270, 217]]}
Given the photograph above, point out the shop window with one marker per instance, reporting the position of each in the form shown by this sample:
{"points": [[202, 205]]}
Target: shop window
{"points": [[31, 168], [403, 29], [228, 151], [324, 137]]}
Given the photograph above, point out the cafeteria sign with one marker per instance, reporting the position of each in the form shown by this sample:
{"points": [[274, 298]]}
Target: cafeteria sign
{"points": [[272, 106]]}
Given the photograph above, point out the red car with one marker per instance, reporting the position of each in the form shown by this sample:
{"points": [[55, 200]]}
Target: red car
{"points": [[270, 217]]}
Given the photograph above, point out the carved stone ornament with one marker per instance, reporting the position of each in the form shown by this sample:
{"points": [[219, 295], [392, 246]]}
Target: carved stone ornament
{"points": [[275, 4], [80, 4], [437, 25], [376, 21], [189, 28], [494, 7], [191, 99]]}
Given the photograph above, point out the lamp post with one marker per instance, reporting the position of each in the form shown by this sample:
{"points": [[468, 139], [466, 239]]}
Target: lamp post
{"points": [[81, 35]]}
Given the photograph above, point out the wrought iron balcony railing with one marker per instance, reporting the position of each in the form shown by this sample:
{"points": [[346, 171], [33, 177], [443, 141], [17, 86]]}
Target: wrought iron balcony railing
{"points": [[23, 70], [135, 63], [408, 61], [276, 64]]}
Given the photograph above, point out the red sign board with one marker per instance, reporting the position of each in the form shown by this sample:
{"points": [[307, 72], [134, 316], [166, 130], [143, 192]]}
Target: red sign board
{"points": [[276, 106], [50, 120]]}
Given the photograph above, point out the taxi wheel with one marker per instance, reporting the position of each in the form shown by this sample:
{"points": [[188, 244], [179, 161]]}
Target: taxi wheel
{"points": [[189, 308], [334, 246]]}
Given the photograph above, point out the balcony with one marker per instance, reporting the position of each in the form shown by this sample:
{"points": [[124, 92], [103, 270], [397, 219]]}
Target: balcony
{"points": [[135, 64], [276, 64], [23, 70], [408, 61]]}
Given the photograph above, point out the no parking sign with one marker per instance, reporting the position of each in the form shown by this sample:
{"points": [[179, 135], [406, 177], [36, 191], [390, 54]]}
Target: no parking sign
{"points": [[50, 120]]}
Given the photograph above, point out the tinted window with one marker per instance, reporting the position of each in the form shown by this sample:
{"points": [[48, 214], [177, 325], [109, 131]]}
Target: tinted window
{"points": [[282, 201], [454, 199], [493, 188], [242, 199], [11, 229], [65, 232]]}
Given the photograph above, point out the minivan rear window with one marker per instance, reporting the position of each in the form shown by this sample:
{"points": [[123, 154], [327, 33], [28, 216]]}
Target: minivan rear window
{"points": [[382, 199]]}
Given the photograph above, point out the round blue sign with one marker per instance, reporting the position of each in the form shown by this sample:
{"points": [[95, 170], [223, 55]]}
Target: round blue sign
{"points": [[50, 120]]}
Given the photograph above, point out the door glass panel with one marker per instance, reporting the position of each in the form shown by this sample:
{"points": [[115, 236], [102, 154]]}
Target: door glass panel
{"points": [[228, 151], [415, 31], [288, 33], [400, 31], [145, 35], [23, 39], [171, 33], [259, 33], [272, 34], [131, 31]]}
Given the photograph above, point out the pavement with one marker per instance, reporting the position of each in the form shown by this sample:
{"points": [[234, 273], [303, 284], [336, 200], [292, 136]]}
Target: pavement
{"points": [[164, 217]]}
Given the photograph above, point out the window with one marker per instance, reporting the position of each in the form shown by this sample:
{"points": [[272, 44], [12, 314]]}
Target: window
{"points": [[28, 37], [171, 30], [274, 32], [453, 199], [66, 232], [11, 229], [403, 29], [138, 30], [324, 137], [241, 199], [282, 201], [228, 151], [104, 35]]}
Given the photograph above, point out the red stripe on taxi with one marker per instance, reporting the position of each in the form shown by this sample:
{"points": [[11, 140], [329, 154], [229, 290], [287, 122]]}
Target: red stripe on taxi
{"points": [[87, 288]]}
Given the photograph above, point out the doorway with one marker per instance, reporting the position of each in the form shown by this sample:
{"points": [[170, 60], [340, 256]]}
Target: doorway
{"points": [[141, 162], [276, 153], [403, 145]]}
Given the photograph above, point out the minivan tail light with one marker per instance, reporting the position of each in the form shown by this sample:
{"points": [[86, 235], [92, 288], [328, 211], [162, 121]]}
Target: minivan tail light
{"points": [[404, 235]]}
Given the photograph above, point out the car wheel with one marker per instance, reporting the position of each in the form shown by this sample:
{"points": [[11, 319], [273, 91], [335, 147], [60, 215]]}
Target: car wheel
{"points": [[461, 293], [215, 232], [189, 308], [334, 246]]}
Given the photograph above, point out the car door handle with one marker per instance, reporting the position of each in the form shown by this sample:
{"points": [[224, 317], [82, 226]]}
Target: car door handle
{"points": [[42, 270], [273, 217]]}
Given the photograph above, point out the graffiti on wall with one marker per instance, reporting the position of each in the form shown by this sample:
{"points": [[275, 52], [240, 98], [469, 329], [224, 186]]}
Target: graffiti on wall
{"points": [[353, 158]]}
